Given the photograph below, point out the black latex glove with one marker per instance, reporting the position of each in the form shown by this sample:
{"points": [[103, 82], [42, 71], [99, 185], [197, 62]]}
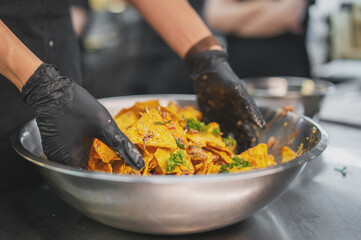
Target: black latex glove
{"points": [[69, 118], [222, 96]]}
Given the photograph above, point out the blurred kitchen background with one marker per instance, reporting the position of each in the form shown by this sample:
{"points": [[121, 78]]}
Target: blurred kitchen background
{"points": [[122, 55]]}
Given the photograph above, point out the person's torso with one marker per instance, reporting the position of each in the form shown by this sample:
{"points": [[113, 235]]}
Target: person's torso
{"points": [[284, 54], [45, 27]]}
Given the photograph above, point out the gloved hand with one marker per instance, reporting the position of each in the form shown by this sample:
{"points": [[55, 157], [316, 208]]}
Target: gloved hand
{"points": [[69, 117], [222, 96]]}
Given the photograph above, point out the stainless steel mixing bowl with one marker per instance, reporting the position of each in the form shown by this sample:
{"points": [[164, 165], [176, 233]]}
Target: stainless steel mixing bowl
{"points": [[304, 94], [176, 204]]}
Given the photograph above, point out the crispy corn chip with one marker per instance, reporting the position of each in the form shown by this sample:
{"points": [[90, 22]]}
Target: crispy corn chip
{"points": [[212, 145], [146, 132], [98, 165], [190, 112], [206, 164], [173, 115], [214, 140], [147, 164], [243, 169], [139, 107], [126, 120], [196, 138], [258, 156], [197, 167], [214, 169], [168, 148], [120, 167], [287, 154], [176, 125], [224, 155], [104, 152], [162, 155], [174, 107]]}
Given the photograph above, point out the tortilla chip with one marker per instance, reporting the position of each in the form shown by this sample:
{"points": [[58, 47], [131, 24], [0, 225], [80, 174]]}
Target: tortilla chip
{"points": [[243, 169], [161, 136], [98, 165], [146, 132], [139, 107], [224, 155], [162, 155], [258, 156], [214, 169], [147, 164], [174, 107], [120, 167], [126, 120], [197, 167], [190, 112], [206, 164], [287, 154], [220, 148], [214, 140], [105, 153], [196, 138], [173, 115]]}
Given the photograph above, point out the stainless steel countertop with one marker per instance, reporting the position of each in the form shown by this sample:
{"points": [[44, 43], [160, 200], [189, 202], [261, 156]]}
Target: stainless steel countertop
{"points": [[321, 203]]}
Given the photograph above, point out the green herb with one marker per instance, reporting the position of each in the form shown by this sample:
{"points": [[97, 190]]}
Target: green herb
{"points": [[162, 123], [179, 144], [196, 125], [342, 171], [216, 131], [237, 162], [230, 142], [201, 127], [175, 160]]}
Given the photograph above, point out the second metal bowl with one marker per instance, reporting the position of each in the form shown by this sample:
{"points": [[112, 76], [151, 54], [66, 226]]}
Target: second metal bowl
{"points": [[304, 94]]}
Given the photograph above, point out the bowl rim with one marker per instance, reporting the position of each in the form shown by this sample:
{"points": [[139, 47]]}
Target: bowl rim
{"points": [[167, 179]]}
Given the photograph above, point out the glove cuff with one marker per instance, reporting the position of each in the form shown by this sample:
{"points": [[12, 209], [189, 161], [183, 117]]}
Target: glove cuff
{"points": [[44, 73], [44, 86], [204, 61], [207, 43]]}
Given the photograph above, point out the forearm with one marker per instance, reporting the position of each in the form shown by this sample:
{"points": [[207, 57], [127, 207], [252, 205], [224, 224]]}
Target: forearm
{"points": [[247, 18], [175, 21], [17, 62]]}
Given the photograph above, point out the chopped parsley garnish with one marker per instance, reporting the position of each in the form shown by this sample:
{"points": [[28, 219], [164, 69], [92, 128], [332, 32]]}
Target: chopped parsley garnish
{"points": [[342, 171], [237, 162], [201, 127], [179, 144], [162, 123], [197, 125], [216, 131], [175, 160], [230, 142]]}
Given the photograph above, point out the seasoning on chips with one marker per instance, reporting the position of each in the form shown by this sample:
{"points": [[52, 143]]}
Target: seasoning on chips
{"points": [[174, 140]]}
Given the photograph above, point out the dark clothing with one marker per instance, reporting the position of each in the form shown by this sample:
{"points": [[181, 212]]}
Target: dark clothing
{"points": [[282, 55], [45, 27], [142, 63], [157, 68]]}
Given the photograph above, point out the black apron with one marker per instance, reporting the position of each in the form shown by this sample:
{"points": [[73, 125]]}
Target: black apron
{"points": [[142, 64], [282, 55], [45, 27]]}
